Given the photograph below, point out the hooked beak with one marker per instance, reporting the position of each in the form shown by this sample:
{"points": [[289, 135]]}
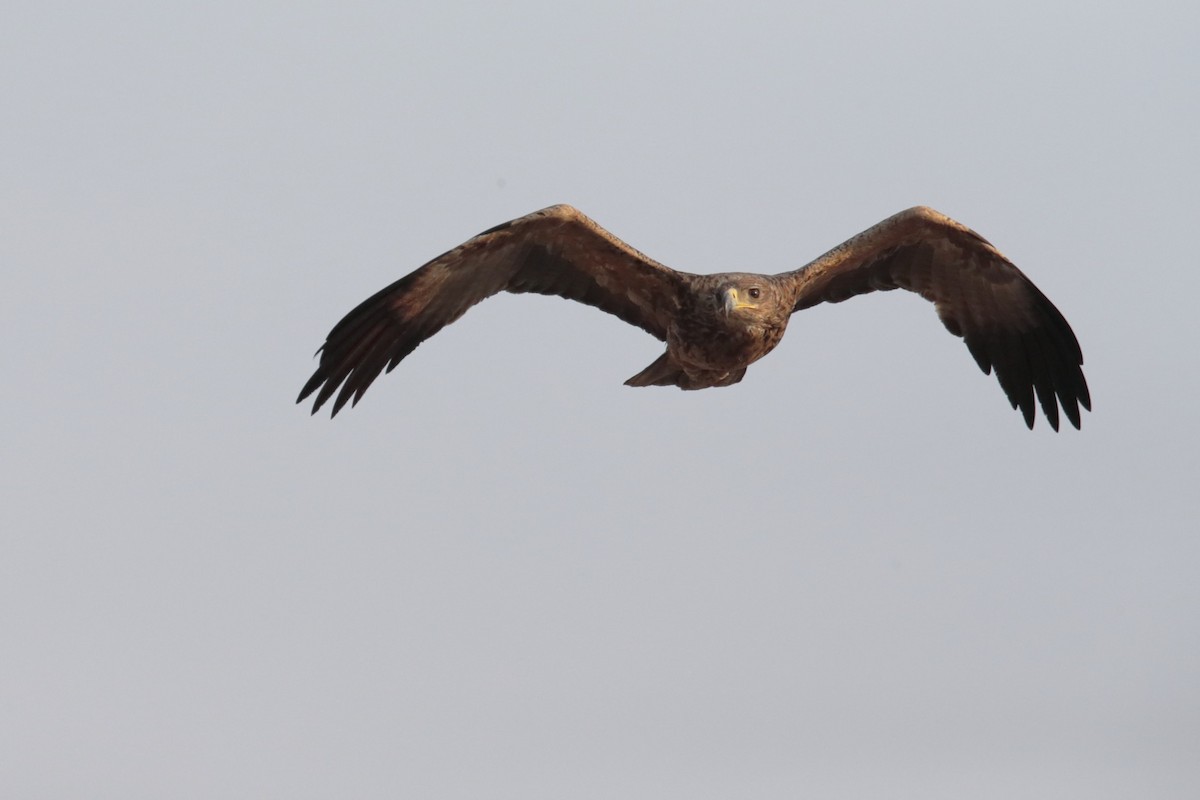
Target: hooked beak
{"points": [[731, 301]]}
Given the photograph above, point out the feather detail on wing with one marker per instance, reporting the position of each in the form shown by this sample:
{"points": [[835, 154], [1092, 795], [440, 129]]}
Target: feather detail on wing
{"points": [[1009, 326], [555, 251]]}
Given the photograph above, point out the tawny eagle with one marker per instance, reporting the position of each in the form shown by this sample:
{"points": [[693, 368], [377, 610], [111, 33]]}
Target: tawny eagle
{"points": [[715, 326]]}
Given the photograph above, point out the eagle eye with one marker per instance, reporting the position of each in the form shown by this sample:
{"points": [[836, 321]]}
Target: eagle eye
{"points": [[754, 292]]}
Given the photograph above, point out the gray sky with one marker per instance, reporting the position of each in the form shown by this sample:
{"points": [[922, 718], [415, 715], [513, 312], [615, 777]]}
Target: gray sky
{"points": [[506, 575]]}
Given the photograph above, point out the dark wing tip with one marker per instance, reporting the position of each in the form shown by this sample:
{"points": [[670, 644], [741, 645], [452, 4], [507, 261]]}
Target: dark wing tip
{"points": [[318, 377], [1036, 368]]}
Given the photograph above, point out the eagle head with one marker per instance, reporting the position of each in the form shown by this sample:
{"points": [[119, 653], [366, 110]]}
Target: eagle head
{"points": [[748, 297]]}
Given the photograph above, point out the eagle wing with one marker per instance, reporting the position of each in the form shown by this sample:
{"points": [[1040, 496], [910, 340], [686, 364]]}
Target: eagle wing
{"points": [[1008, 324], [555, 251]]}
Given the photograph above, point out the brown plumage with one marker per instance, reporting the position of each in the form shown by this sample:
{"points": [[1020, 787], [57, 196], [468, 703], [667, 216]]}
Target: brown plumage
{"points": [[715, 326]]}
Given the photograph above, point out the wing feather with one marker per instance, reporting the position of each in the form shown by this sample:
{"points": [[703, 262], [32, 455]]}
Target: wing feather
{"points": [[555, 251], [1009, 326]]}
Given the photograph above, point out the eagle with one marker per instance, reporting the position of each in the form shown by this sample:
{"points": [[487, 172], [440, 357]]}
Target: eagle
{"points": [[715, 326]]}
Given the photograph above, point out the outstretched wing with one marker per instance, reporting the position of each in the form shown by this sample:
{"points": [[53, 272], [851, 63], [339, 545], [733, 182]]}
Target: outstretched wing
{"points": [[1008, 324], [554, 251]]}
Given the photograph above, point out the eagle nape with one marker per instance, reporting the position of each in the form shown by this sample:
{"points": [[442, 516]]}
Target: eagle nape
{"points": [[715, 326]]}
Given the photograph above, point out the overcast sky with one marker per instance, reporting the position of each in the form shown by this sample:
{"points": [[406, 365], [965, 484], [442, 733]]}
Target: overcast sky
{"points": [[506, 575]]}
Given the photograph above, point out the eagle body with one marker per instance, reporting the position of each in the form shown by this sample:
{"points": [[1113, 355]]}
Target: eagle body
{"points": [[718, 332], [715, 326]]}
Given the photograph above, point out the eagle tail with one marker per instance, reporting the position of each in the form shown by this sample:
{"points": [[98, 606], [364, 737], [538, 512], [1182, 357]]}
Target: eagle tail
{"points": [[663, 372]]}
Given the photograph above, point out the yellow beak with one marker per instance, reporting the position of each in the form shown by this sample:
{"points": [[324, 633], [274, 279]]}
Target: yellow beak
{"points": [[733, 300]]}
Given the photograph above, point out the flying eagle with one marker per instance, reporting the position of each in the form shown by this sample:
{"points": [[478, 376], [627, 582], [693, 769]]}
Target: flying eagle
{"points": [[715, 326]]}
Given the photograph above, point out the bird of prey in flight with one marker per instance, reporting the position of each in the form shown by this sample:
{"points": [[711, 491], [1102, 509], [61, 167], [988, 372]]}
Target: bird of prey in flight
{"points": [[715, 326]]}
